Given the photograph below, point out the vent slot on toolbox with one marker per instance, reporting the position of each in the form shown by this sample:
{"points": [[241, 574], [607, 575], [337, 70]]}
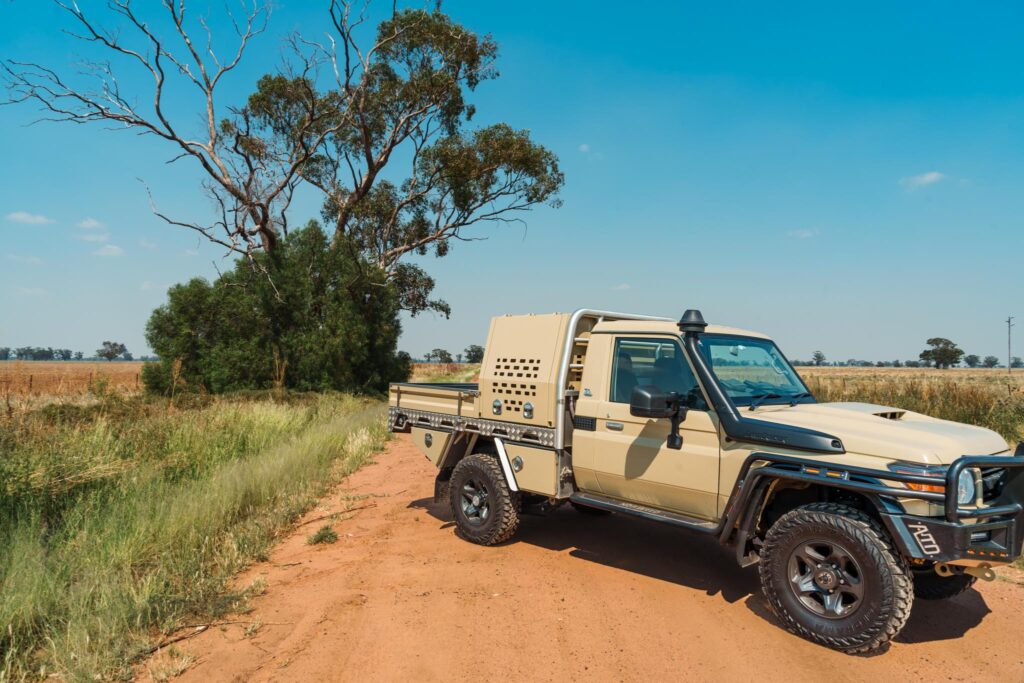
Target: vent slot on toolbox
{"points": [[515, 382]]}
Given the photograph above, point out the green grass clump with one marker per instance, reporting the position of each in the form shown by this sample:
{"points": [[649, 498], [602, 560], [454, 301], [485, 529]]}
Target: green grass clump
{"points": [[324, 534], [119, 521]]}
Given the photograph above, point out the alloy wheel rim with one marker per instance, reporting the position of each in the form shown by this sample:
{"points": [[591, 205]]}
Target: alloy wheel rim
{"points": [[826, 579], [474, 502]]}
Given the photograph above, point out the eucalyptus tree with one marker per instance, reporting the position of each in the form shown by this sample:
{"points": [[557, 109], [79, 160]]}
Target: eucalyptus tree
{"points": [[377, 118]]}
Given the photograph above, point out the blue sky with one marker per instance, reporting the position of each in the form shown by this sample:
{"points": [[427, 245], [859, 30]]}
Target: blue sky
{"points": [[843, 177]]}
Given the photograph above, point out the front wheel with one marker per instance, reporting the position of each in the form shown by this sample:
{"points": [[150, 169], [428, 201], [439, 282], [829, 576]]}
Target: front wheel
{"points": [[485, 510], [830, 573]]}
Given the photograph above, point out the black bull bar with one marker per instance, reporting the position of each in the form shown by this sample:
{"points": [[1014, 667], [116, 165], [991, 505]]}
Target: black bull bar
{"points": [[985, 534], [992, 533]]}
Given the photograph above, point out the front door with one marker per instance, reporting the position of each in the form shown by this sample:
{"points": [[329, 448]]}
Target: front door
{"points": [[630, 458]]}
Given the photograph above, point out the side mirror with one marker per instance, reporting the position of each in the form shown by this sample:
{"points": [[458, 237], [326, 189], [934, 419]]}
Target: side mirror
{"points": [[652, 402]]}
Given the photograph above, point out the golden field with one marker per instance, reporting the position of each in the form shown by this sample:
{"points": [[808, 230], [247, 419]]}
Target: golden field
{"points": [[987, 376], [24, 379], [986, 397]]}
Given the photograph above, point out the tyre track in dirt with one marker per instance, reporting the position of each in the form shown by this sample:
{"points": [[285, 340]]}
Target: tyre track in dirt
{"points": [[570, 597]]}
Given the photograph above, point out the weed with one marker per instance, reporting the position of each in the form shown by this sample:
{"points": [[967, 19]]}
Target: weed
{"points": [[324, 534]]}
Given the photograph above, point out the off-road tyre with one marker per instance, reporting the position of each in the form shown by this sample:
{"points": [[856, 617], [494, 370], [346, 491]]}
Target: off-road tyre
{"points": [[482, 471], [930, 586], [885, 581], [588, 510]]}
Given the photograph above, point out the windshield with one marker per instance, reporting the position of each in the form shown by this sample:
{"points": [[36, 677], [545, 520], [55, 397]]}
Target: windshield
{"points": [[753, 371]]}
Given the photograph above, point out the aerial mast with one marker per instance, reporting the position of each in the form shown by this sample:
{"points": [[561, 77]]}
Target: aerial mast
{"points": [[1009, 344]]}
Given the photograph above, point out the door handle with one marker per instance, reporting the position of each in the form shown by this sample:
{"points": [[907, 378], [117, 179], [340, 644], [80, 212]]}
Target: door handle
{"points": [[614, 426]]}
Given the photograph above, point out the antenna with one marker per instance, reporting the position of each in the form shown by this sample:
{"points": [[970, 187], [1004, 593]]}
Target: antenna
{"points": [[1009, 344]]}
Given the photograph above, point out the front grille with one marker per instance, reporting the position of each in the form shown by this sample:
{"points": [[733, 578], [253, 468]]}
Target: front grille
{"points": [[992, 483]]}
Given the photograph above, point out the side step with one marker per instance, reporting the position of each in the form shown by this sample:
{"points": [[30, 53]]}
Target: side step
{"points": [[596, 500]]}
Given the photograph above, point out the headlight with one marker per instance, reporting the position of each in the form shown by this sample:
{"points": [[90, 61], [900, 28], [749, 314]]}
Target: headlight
{"points": [[965, 488], [936, 471]]}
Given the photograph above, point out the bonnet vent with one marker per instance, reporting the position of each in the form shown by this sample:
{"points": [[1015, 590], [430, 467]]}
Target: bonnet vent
{"points": [[891, 414]]}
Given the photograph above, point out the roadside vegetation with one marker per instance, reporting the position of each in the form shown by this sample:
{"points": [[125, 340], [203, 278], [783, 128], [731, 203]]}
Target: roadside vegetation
{"points": [[125, 518]]}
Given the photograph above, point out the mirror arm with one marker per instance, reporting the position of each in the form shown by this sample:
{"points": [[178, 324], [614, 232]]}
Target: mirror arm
{"points": [[675, 440]]}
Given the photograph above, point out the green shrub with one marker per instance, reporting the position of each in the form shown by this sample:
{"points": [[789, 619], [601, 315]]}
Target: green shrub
{"points": [[313, 317]]}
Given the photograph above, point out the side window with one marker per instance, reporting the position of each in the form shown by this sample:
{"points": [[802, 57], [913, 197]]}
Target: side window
{"points": [[653, 362]]}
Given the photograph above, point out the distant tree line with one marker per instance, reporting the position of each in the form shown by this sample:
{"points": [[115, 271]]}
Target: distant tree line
{"points": [[474, 353], [38, 353], [109, 351], [941, 353]]}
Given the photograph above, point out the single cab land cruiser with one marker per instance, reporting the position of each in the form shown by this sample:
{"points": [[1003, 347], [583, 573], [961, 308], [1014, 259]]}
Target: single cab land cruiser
{"points": [[850, 509]]}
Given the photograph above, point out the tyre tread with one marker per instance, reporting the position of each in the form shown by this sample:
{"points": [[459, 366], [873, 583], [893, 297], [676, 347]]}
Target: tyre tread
{"points": [[505, 502], [898, 595]]}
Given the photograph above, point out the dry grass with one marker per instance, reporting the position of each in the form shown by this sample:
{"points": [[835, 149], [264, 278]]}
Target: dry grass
{"points": [[24, 379], [993, 377], [445, 372], [988, 398]]}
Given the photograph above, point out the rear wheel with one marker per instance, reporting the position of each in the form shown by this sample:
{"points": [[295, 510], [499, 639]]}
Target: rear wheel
{"points": [[830, 573], [930, 586], [484, 509]]}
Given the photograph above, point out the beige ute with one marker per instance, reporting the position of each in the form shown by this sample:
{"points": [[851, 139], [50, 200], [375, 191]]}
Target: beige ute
{"points": [[849, 509]]}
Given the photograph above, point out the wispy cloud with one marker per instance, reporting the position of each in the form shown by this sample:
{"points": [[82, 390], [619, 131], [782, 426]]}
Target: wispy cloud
{"points": [[109, 250], [584, 148], [146, 244], [90, 224], [192, 252], [803, 233], [30, 291], [95, 237], [27, 218], [923, 180], [30, 260], [146, 286], [620, 288]]}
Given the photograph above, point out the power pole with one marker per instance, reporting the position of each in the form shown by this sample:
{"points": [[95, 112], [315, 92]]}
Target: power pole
{"points": [[1009, 344]]}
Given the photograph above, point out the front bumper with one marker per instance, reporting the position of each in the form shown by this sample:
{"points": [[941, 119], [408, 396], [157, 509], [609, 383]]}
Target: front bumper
{"points": [[995, 541], [993, 534]]}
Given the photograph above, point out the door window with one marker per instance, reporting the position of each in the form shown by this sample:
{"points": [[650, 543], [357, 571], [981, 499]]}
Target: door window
{"points": [[653, 363]]}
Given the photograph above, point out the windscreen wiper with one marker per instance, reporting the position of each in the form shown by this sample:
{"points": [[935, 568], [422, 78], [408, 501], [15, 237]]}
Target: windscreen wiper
{"points": [[795, 398], [758, 399]]}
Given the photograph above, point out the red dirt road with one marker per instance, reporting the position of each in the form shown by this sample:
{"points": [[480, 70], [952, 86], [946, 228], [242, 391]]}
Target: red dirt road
{"points": [[571, 597]]}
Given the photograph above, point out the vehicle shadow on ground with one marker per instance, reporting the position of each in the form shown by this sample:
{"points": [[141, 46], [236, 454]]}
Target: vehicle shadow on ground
{"points": [[933, 620], [659, 551], [699, 562]]}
